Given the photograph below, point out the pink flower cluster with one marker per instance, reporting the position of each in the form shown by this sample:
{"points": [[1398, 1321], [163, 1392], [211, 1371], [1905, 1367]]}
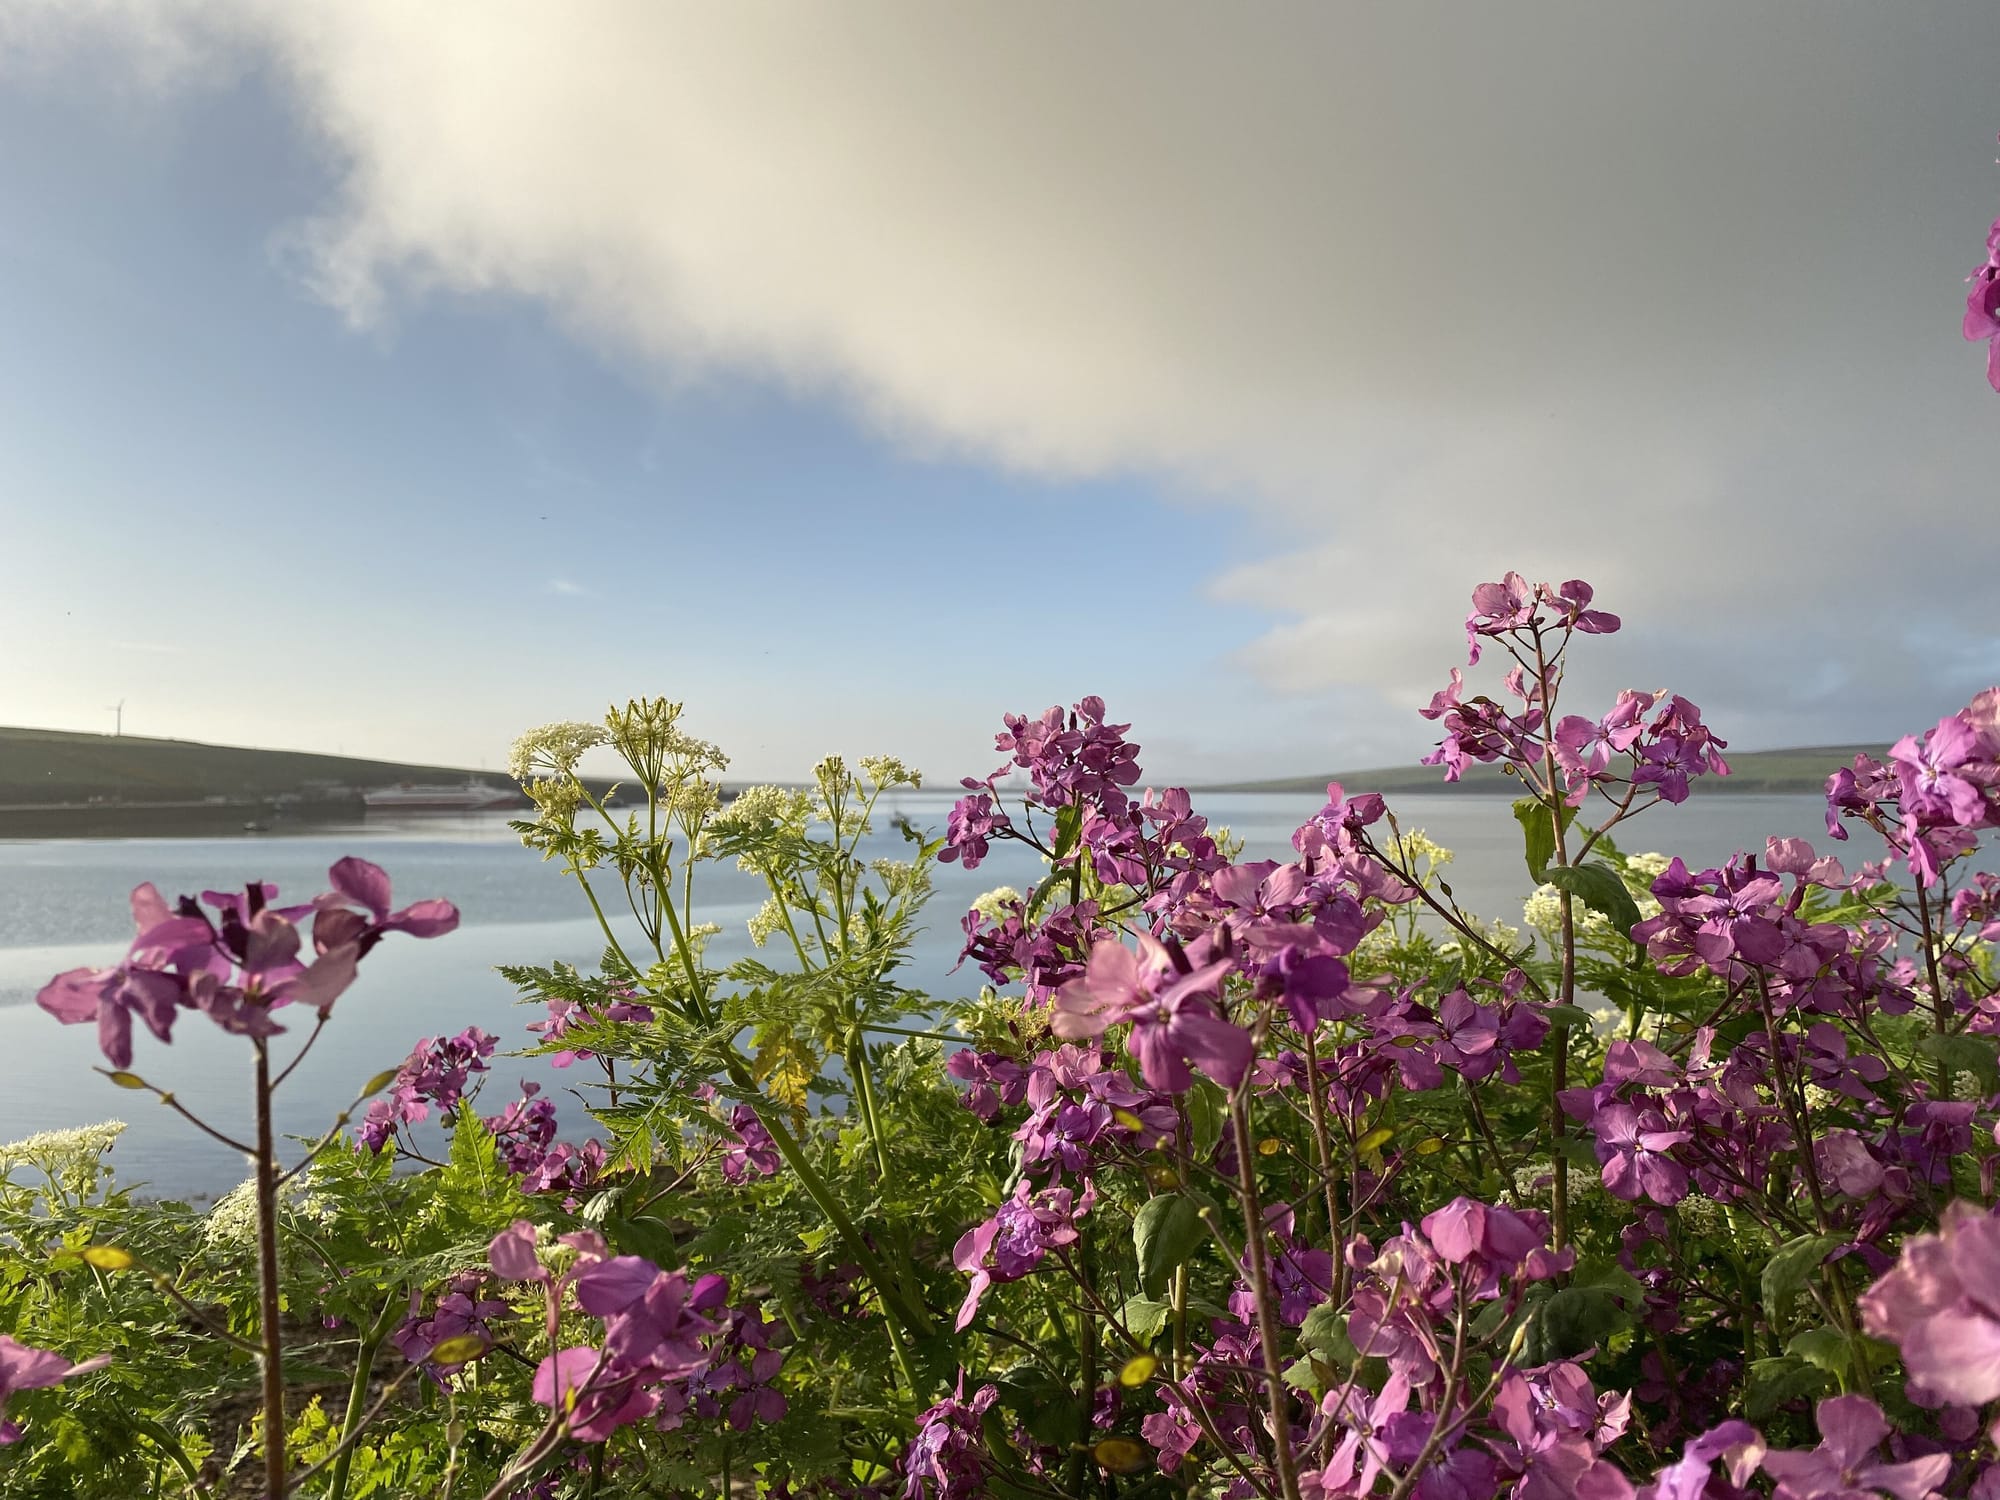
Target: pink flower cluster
{"points": [[671, 1346], [237, 962], [1937, 789]]}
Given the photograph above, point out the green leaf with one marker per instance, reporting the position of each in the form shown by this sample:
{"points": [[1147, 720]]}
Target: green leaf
{"points": [[1598, 887], [1207, 1111], [1144, 1318], [1069, 828], [1791, 1266], [1574, 1319], [1538, 833], [1325, 1333], [1166, 1232], [1965, 1054], [1776, 1382], [1823, 1348]]}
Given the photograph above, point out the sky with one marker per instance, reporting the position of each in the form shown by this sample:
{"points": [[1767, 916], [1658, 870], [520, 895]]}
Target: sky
{"points": [[386, 379]]}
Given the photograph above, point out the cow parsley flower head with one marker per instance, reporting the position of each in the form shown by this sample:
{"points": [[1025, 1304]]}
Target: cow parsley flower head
{"points": [[763, 809], [233, 1220], [553, 749], [62, 1155], [767, 921], [887, 771], [1647, 867], [997, 903]]}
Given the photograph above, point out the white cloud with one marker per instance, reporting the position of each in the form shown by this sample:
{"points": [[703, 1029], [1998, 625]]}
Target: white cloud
{"points": [[1664, 297]]}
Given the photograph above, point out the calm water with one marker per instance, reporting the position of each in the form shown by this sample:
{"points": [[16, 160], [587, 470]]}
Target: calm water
{"points": [[63, 906]]}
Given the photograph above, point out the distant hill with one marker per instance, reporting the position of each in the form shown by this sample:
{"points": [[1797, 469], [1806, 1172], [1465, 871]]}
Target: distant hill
{"points": [[1767, 771], [39, 767]]}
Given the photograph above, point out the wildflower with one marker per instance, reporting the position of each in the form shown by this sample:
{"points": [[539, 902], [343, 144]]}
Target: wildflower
{"points": [[460, 1314], [1941, 1304], [1982, 306], [1633, 1145], [25, 1368], [367, 885], [753, 1153], [237, 962], [1851, 1428], [767, 921], [62, 1154], [522, 1133], [887, 771], [512, 1253], [553, 749], [946, 1460], [233, 1219], [997, 904], [967, 829], [437, 1071], [1013, 1242], [1172, 1024]]}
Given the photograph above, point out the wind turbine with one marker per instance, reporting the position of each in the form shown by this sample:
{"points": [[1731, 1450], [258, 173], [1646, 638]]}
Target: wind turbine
{"points": [[118, 708]]}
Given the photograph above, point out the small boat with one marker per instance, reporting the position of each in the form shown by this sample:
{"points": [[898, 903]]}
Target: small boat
{"points": [[409, 797], [253, 826]]}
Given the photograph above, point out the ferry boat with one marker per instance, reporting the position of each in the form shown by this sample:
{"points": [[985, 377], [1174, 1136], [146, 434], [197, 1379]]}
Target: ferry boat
{"points": [[413, 798]]}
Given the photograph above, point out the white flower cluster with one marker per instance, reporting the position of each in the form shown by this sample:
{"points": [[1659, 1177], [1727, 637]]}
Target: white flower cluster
{"points": [[553, 749], [758, 809], [1543, 912], [900, 877], [233, 1220], [647, 733], [1647, 867], [1416, 845], [767, 921], [62, 1153], [994, 905], [887, 771]]}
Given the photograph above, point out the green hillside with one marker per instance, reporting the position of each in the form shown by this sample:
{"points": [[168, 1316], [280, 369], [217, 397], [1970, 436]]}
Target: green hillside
{"points": [[48, 766], [1767, 771]]}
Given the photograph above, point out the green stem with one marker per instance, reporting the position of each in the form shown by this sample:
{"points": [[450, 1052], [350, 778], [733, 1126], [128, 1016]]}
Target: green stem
{"points": [[357, 1397], [1559, 1068]]}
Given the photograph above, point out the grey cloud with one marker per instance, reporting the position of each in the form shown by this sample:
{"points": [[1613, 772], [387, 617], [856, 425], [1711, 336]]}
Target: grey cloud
{"points": [[1664, 296]]}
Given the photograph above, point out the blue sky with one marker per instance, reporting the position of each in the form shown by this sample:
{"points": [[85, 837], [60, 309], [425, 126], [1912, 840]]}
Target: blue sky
{"points": [[388, 388]]}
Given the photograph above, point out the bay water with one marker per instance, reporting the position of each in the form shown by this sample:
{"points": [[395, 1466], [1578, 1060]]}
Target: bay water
{"points": [[64, 905]]}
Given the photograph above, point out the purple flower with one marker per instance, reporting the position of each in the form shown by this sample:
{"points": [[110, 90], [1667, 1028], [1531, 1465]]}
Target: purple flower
{"points": [[753, 1153], [436, 1072], [524, 1131], [968, 828], [1014, 1241], [367, 885], [25, 1368], [1633, 1145], [996, 1079], [1982, 306], [566, 1015], [237, 965], [1929, 771], [1941, 1304], [946, 1460], [1843, 1466], [1173, 1024], [460, 1313], [512, 1254]]}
